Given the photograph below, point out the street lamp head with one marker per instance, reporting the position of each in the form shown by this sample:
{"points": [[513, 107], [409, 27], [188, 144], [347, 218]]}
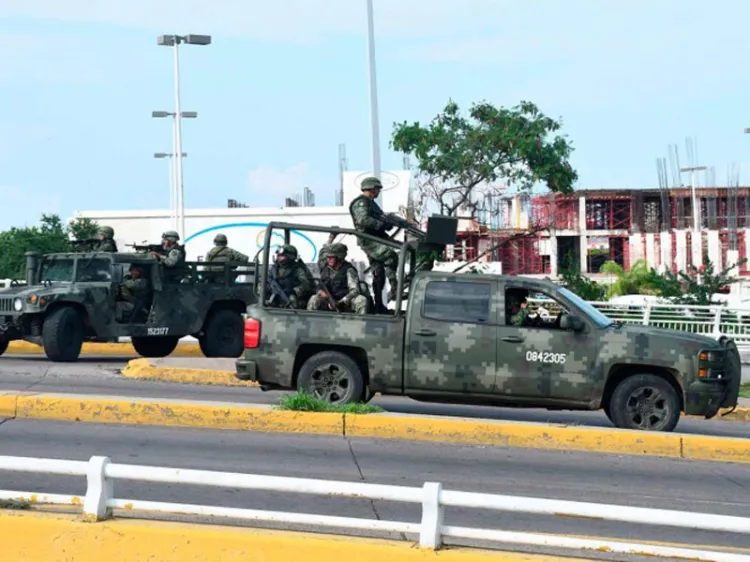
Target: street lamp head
{"points": [[160, 114], [194, 39], [189, 114], [747, 130], [167, 40], [161, 154]]}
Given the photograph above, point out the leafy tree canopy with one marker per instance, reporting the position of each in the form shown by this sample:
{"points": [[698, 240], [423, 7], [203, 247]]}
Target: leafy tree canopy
{"points": [[49, 236], [456, 154]]}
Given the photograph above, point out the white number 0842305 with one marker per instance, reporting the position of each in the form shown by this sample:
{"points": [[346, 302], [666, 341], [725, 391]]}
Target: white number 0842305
{"points": [[546, 357]]}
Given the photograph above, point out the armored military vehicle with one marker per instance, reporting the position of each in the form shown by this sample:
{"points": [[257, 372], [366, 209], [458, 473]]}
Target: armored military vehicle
{"points": [[71, 297], [454, 342]]}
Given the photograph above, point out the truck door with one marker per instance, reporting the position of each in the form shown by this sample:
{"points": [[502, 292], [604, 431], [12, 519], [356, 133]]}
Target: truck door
{"points": [[450, 335], [539, 360]]}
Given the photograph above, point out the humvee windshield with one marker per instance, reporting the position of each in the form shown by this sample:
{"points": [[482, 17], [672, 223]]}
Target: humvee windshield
{"points": [[93, 271], [56, 270]]}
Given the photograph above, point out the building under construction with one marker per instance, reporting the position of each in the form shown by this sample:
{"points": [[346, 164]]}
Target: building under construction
{"points": [[585, 229]]}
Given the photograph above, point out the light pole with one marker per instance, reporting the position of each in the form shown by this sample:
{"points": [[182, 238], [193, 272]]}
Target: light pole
{"points": [[697, 238], [374, 121], [174, 41], [172, 194], [175, 183]]}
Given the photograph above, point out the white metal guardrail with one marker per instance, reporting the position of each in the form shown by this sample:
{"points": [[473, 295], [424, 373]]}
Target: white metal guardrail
{"points": [[100, 500]]}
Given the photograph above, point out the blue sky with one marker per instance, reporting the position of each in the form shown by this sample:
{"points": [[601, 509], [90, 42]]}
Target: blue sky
{"points": [[285, 82]]}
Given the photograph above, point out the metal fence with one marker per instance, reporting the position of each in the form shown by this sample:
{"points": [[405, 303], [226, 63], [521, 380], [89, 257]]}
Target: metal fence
{"points": [[100, 500]]}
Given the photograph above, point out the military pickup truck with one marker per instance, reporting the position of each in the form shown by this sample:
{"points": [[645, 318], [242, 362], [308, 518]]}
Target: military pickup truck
{"points": [[71, 297], [454, 342]]}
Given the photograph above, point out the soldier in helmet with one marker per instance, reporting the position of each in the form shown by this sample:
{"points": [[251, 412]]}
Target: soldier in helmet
{"points": [[223, 253], [324, 251], [342, 282], [292, 278], [105, 235], [134, 289], [175, 254], [383, 260]]}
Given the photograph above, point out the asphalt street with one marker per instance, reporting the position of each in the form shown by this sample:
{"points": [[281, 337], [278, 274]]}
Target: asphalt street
{"points": [[100, 375], [722, 488]]}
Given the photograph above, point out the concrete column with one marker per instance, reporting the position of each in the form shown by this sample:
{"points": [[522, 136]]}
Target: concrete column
{"points": [[636, 247], [651, 249], [666, 251], [714, 248], [680, 239], [553, 265], [584, 241]]}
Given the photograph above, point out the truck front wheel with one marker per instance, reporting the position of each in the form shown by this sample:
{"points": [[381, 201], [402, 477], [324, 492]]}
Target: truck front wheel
{"points": [[332, 376], [160, 346], [63, 334], [645, 402]]}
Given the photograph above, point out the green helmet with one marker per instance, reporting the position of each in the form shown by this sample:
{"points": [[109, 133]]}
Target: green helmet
{"points": [[287, 250], [324, 250], [370, 183], [220, 239], [170, 235], [107, 231], [338, 250]]}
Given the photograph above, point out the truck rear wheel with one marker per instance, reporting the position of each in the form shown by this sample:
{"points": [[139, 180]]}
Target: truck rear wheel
{"points": [[62, 335], [645, 402], [159, 346], [333, 377], [224, 335]]}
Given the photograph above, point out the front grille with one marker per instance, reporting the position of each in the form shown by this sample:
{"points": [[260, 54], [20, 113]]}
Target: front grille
{"points": [[6, 305]]}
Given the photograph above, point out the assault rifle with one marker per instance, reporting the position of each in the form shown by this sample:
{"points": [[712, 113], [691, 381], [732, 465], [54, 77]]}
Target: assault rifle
{"points": [[321, 286], [145, 248], [392, 219], [84, 242], [277, 291]]}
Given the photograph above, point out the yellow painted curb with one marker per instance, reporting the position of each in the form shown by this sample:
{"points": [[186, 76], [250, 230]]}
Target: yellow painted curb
{"points": [[206, 415], [125, 349], [46, 537], [144, 370], [8, 405], [740, 414]]}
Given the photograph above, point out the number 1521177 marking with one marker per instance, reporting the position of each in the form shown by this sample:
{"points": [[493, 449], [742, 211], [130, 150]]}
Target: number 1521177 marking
{"points": [[157, 331]]}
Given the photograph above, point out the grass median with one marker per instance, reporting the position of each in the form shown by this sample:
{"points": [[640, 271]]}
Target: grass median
{"points": [[745, 390], [304, 402]]}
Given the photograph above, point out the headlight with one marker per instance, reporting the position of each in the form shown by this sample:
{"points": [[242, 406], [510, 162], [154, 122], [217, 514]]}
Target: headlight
{"points": [[710, 356], [18, 305]]}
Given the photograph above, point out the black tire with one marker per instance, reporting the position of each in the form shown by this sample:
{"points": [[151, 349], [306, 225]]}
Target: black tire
{"points": [[224, 335], [607, 411], [3, 344], [332, 376], [63, 335], [367, 395], [158, 346], [645, 402]]}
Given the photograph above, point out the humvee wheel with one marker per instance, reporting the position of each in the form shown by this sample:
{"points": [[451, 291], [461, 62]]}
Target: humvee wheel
{"points": [[63, 334], [332, 376], [3, 344], [224, 335], [159, 346], [645, 402]]}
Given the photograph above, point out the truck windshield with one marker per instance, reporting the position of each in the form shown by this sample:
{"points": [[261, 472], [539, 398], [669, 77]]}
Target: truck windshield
{"points": [[600, 319], [56, 270]]}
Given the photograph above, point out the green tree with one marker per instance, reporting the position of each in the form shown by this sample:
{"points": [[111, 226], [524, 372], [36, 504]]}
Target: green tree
{"points": [[82, 228], [584, 287], [48, 237], [640, 279], [456, 155], [697, 285]]}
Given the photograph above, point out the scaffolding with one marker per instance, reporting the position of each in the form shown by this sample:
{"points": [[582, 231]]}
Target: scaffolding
{"points": [[610, 212]]}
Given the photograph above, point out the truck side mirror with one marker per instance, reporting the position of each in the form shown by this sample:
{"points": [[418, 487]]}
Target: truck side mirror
{"points": [[569, 322]]}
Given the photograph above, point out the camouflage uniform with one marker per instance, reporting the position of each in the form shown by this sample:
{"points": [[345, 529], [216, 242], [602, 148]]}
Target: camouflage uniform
{"points": [[133, 290], [106, 242], [223, 253], [293, 277], [343, 282], [175, 254], [383, 260]]}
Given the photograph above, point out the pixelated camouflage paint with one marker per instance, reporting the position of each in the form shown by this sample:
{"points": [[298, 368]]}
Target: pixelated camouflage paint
{"points": [[182, 307], [485, 362]]}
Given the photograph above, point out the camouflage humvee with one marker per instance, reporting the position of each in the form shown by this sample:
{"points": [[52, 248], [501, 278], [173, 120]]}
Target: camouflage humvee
{"points": [[454, 342], [70, 297]]}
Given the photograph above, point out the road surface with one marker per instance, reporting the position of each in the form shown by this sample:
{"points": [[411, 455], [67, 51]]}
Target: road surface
{"points": [[100, 375], [636, 481]]}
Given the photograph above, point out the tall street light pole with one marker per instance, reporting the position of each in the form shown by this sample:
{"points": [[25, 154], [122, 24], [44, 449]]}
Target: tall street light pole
{"points": [[697, 238], [174, 41], [175, 193], [172, 193], [374, 120]]}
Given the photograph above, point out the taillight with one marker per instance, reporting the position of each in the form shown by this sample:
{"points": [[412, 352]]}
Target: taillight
{"points": [[252, 333]]}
